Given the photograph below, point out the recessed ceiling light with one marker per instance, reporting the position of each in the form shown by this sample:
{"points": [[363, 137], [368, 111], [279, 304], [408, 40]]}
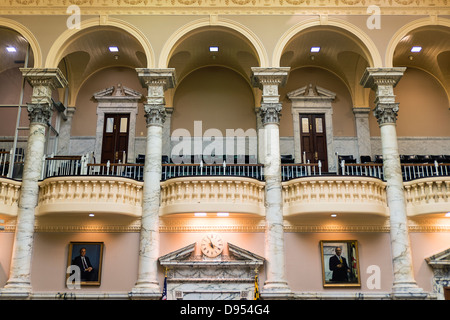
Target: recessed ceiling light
{"points": [[416, 49], [223, 214], [315, 49], [11, 49], [91, 215], [200, 214], [213, 49], [334, 215], [113, 49], [447, 214]]}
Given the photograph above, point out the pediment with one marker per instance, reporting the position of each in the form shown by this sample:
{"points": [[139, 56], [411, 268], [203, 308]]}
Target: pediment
{"points": [[311, 92], [186, 256], [117, 92], [440, 259]]}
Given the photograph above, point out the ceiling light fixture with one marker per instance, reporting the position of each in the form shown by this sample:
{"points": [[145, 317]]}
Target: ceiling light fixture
{"points": [[213, 49], [334, 215], [223, 214], [200, 214], [447, 214], [11, 49], [113, 49], [315, 49], [91, 215], [416, 49]]}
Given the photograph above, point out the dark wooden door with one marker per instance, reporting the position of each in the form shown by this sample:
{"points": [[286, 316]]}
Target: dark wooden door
{"points": [[115, 137], [314, 139]]}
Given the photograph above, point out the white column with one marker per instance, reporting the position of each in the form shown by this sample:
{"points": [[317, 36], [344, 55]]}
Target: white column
{"points": [[363, 130], [383, 81], [157, 81], [40, 110], [269, 79]]}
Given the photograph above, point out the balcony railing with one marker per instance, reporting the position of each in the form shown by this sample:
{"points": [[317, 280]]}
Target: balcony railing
{"points": [[410, 171], [80, 165]]}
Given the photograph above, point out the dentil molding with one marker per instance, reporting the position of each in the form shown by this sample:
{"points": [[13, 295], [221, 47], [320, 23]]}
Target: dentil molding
{"points": [[110, 7]]}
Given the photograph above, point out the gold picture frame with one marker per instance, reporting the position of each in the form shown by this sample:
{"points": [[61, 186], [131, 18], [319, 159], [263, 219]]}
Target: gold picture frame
{"points": [[89, 271], [343, 272]]}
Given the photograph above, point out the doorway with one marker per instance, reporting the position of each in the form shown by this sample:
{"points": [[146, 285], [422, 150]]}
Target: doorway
{"points": [[313, 139], [115, 137]]}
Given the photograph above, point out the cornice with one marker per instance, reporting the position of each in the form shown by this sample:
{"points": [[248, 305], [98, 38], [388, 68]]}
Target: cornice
{"points": [[202, 7]]}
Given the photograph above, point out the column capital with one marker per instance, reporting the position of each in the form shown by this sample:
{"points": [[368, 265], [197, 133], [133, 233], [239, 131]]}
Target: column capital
{"points": [[386, 113], [269, 80], [52, 78], [374, 77], [361, 111], [269, 76], [155, 115], [43, 82], [270, 113]]}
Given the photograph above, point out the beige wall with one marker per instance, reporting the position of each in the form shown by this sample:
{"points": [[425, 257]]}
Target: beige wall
{"points": [[217, 96]]}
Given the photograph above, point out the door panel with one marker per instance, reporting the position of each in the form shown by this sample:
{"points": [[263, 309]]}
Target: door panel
{"points": [[313, 139], [115, 138]]}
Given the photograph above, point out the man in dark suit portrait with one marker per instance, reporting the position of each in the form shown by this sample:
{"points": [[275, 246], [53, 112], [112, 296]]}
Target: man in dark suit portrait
{"points": [[83, 262], [338, 265]]}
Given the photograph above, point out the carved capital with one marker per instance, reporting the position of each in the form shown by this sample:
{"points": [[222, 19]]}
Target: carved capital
{"points": [[386, 113], [155, 115], [270, 113], [40, 113]]}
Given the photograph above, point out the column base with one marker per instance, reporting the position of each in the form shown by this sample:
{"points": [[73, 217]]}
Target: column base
{"points": [[408, 290], [276, 290], [145, 290], [16, 290]]}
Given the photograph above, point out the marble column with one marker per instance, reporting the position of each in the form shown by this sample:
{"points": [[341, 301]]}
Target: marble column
{"points": [[363, 130], [269, 80], [43, 82], [157, 81], [383, 81], [64, 132]]}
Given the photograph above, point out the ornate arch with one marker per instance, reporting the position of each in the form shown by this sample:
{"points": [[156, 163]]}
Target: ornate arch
{"points": [[26, 33], [249, 35], [57, 50], [369, 48]]}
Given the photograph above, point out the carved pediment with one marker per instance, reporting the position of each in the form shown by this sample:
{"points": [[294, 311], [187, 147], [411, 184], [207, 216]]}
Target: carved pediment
{"points": [[311, 92], [117, 92], [186, 256], [439, 260]]}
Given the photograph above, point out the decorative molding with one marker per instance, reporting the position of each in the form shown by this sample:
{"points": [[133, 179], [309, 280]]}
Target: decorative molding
{"points": [[134, 7], [343, 194]]}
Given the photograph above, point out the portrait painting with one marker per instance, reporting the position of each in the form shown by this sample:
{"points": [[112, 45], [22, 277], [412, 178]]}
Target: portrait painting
{"points": [[340, 263], [85, 263]]}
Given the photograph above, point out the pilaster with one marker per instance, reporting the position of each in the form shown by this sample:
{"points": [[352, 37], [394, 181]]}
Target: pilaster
{"points": [[363, 130]]}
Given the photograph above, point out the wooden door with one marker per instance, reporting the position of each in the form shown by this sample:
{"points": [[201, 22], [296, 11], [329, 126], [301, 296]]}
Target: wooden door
{"points": [[115, 138], [314, 139]]}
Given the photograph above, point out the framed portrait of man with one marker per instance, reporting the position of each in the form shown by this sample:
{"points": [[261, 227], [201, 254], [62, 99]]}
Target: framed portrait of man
{"points": [[340, 263], [85, 263]]}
